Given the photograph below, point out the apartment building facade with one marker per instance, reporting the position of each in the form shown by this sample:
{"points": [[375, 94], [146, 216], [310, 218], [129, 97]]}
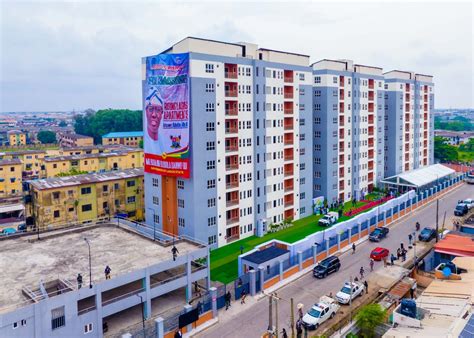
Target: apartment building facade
{"points": [[10, 178], [62, 200], [348, 129], [16, 138], [74, 140], [250, 142], [127, 138], [409, 111]]}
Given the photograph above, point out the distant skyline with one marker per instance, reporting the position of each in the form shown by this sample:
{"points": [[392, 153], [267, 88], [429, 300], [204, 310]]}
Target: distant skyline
{"points": [[63, 56]]}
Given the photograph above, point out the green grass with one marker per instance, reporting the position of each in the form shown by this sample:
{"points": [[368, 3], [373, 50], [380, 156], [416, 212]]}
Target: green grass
{"points": [[466, 156], [224, 260]]}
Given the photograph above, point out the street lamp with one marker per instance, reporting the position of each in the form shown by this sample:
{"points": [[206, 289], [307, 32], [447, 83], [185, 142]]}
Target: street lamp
{"points": [[154, 223], [143, 314], [90, 265]]}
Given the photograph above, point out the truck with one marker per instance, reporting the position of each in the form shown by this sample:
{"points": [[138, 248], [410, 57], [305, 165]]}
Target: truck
{"points": [[345, 295], [320, 312], [329, 219]]}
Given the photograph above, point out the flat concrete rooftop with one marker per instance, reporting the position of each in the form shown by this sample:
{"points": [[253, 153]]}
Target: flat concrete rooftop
{"points": [[24, 263]]}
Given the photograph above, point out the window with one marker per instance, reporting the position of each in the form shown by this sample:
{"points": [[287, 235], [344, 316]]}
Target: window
{"points": [[317, 79], [56, 213], [155, 182], [180, 184], [130, 183], [130, 199], [87, 328], [334, 79], [180, 203], [85, 191], [210, 126], [105, 188], [15, 325], [317, 106], [210, 145], [58, 318], [211, 202], [301, 75], [23, 322], [212, 239], [211, 165], [210, 87], [211, 221], [156, 218], [209, 68], [56, 195], [156, 200], [317, 93], [181, 222], [210, 107], [86, 207]]}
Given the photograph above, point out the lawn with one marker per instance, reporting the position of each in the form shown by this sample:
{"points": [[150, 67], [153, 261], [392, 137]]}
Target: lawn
{"points": [[224, 260], [466, 156]]}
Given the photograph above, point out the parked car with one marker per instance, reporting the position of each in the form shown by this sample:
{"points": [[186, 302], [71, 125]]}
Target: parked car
{"points": [[378, 234], [320, 312], [326, 267], [329, 219], [461, 209], [469, 202], [379, 253], [8, 231], [345, 295], [427, 234], [21, 227]]}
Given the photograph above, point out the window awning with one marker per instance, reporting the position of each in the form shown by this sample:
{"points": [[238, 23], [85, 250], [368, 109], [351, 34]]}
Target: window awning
{"points": [[11, 207]]}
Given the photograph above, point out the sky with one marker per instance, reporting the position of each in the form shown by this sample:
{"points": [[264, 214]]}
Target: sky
{"points": [[60, 56]]}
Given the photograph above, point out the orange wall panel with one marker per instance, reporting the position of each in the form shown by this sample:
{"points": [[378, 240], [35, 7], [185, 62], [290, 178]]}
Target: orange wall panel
{"points": [[271, 282], [344, 243], [307, 263], [290, 272], [169, 199]]}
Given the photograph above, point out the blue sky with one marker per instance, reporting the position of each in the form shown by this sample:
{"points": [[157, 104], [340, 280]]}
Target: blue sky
{"points": [[78, 55]]}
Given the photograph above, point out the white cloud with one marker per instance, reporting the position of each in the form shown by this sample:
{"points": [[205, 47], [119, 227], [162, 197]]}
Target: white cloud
{"points": [[60, 56]]}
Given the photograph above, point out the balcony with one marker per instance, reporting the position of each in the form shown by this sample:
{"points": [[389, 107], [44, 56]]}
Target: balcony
{"points": [[289, 157], [407, 97], [371, 95], [341, 121], [231, 110], [231, 148], [232, 184], [232, 220], [341, 107], [371, 154], [288, 141], [288, 95], [371, 131], [232, 166], [288, 203], [425, 89], [288, 188], [231, 130], [230, 75], [233, 238], [341, 145], [371, 107], [371, 119], [407, 87], [341, 134], [407, 107], [371, 165], [288, 173], [231, 203], [341, 81], [341, 173], [341, 94], [289, 213], [407, 117], [231, 93], [371, 83], [288, 76], [288, 111], [288, 126], [341, 185], [230, 71]]}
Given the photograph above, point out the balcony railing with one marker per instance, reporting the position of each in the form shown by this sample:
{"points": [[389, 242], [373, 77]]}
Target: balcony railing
{"points": [[289, 188], [231, 112], [232, 238], [288, 157], [288, 110], [231, 130], [288, 95], [232, 220], [288, 79], [288, 173], [288, 142], [232, 166], [288, 127], [232, 202], [233, 184], [229, 149], [231, 93], [230, 75], [288, 203]]}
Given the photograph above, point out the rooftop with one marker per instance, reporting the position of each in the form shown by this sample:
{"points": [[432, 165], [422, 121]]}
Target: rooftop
{"points": [[124, 134], [75, 136], [10, 162], [116, 152], [265, 255], [420, 177], [64, 255], [68, 181], [457, 244]]}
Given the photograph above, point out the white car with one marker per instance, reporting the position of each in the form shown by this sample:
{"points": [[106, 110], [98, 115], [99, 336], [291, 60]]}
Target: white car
{"points": [[469, 202], [344, 296], [329, 219], [320, 312]]}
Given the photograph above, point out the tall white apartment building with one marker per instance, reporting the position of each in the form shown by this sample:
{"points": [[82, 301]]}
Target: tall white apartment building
{"points": [[250, 142], [348, 129], [409, 104]]}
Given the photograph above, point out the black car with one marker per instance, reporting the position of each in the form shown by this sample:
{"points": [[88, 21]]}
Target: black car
{"points": [[427, 234], [378, 234], [326, 266], [461, 209]]}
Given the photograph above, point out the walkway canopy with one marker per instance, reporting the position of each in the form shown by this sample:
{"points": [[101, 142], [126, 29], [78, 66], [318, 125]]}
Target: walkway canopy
{"points": [[419, 178]]}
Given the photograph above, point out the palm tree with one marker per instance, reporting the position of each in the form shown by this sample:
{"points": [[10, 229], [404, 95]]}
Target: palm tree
{"points": [[368, 318]]}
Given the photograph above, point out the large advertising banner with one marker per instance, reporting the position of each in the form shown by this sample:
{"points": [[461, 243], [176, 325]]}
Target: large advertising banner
{"points": [[166, 115]]}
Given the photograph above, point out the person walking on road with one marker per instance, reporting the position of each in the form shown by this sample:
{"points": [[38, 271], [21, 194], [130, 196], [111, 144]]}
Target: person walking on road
{"points": [[417, 226], [361, 271], [107, 272], [371, 264], [175, 252], [410, 237], [366, 286], [227, 298], [404, 255], [399, 253], [353, 248], [243, 295], [79, 281], [284, 334], [392, 258]]}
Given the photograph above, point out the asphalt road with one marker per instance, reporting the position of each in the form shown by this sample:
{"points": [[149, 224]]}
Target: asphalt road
{"points": [[252, 321]]}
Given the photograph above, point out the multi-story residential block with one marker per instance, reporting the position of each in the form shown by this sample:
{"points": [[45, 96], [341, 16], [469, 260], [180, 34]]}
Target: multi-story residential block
{"points": [[82, 198], [128, 138], [409, 105], [250, 140], [348, 129], [74, 140], [16, 138], [10, 178]]}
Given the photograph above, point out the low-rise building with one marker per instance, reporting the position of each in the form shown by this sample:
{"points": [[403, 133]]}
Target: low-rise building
{"points": [[455, 138], [74, 140], [10, 178], [16, 138], [128, 138], [45, 298], [61, 201]]}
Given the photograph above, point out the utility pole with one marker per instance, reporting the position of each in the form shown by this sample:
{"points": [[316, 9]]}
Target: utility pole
{"points": [[270, 315], [292, 319], [437, 226], [276, 315], [350, 300]]}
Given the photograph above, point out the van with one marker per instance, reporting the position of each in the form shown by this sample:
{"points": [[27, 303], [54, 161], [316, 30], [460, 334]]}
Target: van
{"points": [[326, 267]]}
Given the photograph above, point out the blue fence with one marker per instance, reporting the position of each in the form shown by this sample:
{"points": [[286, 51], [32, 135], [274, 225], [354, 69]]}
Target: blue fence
{"points": [[354, 230], [332, 241], [307, 254], [345, 235]]}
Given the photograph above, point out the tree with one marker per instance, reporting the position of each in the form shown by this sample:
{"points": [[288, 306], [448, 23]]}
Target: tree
{"points": [[368, 318], [443, 151], [62, 124], [104, 121], [46, 136]]}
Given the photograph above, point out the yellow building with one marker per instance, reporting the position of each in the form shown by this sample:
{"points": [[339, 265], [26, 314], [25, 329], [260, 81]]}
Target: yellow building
{"points": [[10, 178], [74, 140], [127, 138], [16, 138], [61, 201]]}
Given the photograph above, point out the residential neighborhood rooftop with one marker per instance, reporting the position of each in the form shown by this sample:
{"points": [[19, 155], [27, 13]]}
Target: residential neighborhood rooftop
{"points": [[124, 134]]}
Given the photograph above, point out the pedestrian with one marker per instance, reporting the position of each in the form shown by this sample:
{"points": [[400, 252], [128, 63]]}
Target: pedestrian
{"points": [[299, 328], [361, 271], [404, 255], [178, 334], [241, 249], [353, 248], [175, 252], [371, 264], [330, 295], [107, 272], [199, 307], [385, 262], [79, 281], [417, 226], [402, 246], [227, 298], [366, 286], [284, 334], [356, 279], [243, 295], [412, 290], [399, 253], [409, 239], [392, 258], [300, 312]]}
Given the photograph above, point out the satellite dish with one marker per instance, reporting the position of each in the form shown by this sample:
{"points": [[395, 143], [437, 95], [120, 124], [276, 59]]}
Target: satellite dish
{"points": [[446, 271]]}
